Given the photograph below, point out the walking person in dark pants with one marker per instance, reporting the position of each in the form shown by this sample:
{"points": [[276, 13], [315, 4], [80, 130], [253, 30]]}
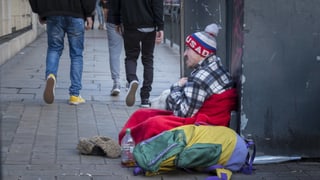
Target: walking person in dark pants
{"points": [[142, 26]]}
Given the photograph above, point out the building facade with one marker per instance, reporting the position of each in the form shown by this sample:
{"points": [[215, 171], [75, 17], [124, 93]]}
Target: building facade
{"points": [[18, 27]]}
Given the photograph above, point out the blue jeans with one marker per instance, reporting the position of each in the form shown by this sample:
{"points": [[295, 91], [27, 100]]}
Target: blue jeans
{"points": [[57, 27], [115, 44]]}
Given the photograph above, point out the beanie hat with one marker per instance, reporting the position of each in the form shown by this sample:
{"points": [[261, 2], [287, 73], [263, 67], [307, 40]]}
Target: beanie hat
{"points": [[204, 42]]}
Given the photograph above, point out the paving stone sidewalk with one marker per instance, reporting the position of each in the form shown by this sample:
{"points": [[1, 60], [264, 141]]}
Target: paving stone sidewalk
{"points": [[38, 141]]}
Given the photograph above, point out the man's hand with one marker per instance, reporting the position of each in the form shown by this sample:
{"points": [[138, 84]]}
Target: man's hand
{"points": [[119, 29], [182, 81], [159, 37], [89, 23]]}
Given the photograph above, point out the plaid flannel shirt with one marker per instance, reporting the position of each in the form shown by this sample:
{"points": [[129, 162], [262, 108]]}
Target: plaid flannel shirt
{"points": [[208, 78]]}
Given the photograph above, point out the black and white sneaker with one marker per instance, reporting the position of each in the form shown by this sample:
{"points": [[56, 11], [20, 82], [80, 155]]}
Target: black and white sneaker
{"points": [[131, 94], [145, 103], [115, 91]]}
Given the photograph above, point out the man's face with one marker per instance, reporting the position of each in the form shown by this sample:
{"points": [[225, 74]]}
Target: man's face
{"points": [[191, 57]]}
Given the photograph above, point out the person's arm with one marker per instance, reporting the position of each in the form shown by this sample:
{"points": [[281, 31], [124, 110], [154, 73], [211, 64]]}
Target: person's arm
{"points": [[185, 98], [115, 12], [35, 9], [159, 37], [34, 6], [88, 6], [158, 14], [158, 19], [89, 23]]}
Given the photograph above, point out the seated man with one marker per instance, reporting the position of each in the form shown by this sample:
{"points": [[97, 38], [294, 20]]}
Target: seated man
{"points": [[206, 96]]}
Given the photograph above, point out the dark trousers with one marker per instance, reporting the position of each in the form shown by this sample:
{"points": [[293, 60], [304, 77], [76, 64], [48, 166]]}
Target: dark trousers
{"points": [[134, 43]]}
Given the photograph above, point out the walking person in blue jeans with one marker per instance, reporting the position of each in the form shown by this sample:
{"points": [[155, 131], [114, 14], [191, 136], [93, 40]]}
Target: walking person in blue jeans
{"points": [[115, 45], [64, 17], [142, 22]]}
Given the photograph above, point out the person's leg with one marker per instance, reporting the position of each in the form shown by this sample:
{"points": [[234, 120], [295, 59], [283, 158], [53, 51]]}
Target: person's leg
{"points": [[55, 34], [132, 50], [139, 117], [115, 45], [148, 45], [75, 33], [153, 126]]}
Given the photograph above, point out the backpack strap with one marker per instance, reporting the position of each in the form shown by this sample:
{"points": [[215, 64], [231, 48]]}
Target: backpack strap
{"points": [[248, 166], [222, 174], [138, 170]]}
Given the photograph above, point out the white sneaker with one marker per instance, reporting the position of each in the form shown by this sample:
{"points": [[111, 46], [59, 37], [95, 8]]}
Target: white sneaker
{"points": [[131, 94], [48, 94], [115, 91]]}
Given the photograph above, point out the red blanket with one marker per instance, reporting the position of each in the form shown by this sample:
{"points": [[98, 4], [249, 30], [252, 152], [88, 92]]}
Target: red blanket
{"points": [[146, 123]]}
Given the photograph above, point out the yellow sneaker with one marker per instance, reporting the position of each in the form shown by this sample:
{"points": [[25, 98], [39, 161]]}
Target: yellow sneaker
{"points": [[48, 94], [75, 100]]}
